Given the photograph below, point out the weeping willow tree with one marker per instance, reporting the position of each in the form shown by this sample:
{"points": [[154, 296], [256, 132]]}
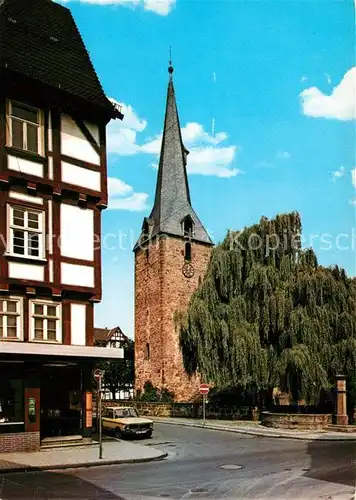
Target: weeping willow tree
{"points": [[266, 315]]}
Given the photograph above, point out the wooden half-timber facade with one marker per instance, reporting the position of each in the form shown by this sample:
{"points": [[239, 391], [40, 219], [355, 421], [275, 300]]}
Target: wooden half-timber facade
{"points": [[53, 188]]}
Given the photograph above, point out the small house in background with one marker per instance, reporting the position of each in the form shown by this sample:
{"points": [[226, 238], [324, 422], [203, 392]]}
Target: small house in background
{"points": [[114, 338], [110, 337]]}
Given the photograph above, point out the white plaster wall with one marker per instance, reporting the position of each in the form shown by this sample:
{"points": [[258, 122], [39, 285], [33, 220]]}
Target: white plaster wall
{"points": [[18, 270], [50, 270], [50, 167], [75, 144], [79, 176], [74, 274], [25, 166], [94, 130], [25, 197], [78, 324], [77, 232]]}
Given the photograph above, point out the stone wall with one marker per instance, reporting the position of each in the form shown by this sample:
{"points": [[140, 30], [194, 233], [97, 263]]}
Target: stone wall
{"points": [[143, 408], [160, 290], [186, 410], [307, 421], [195, 410]]}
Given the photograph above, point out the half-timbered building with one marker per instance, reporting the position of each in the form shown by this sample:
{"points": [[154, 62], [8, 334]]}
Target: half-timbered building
{"points": [[53, 188]]}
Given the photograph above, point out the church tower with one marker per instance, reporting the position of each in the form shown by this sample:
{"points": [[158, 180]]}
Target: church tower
{"points": [[171, 257]]}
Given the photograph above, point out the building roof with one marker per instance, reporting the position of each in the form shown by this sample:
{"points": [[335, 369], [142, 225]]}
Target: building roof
{"points": [[103, 335], [40, 40], [172, 200]]}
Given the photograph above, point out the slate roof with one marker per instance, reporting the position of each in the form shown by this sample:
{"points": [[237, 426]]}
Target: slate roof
{"points": [[172, 200], [39, 39]]}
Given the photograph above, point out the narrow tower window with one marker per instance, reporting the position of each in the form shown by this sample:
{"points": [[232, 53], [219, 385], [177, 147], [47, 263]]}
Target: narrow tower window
{"points": [[188, 252], [147, 351]]}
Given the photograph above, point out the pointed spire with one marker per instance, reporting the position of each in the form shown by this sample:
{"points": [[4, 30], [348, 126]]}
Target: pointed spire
{"points": [[172, 203]]}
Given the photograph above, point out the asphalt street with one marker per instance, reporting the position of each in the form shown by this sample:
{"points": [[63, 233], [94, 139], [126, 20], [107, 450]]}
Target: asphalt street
{"points": [[205, 464]]}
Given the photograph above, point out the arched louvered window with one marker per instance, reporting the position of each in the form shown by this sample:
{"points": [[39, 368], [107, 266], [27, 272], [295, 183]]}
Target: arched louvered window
{"points": [[188, 227]]}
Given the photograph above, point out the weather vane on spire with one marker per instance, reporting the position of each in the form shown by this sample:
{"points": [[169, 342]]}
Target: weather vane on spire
{"points": [[170, 68]]}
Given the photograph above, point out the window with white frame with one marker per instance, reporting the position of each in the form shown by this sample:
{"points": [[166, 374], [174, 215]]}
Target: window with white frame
{"points": [[45, 321], [10, 318], [26, 234], [25, 127]]}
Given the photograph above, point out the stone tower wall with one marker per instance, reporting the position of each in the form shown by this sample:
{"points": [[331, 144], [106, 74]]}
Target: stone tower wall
{"points": [[160, 290]]}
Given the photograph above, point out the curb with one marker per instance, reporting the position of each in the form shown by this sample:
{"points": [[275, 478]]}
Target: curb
{"points": [[37, 468], [258, 433]]}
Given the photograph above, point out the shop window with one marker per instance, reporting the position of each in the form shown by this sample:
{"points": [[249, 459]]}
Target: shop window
{"points": [[10, 318], [11, 405], [45, 321]]}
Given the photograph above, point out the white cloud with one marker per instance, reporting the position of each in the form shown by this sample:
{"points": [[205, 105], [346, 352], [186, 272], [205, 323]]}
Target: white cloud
{"points": [[121, 134], [206, 156], [353, 202], [122, 197], [134, 203], [161, 7], [153, 146], [340, 105], [353, 177], [213, 161], [340, 172], [283, 155], [117, 187], [193, 133], [304, 79]]}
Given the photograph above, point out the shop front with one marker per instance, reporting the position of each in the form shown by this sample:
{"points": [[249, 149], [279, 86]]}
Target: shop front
{"points": [[46, 395]]}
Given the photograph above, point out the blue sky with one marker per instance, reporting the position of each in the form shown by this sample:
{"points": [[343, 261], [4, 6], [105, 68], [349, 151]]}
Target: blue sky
{"points": [[266, 97]]}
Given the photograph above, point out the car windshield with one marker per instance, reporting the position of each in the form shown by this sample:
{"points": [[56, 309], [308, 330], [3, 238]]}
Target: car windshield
{"points": [[126, 413]]}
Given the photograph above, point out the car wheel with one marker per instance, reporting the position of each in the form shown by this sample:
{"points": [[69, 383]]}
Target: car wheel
{"points": [[118, 433]]}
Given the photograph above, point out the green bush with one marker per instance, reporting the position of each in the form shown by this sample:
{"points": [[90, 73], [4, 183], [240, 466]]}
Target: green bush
{"points": [[154, 394]]}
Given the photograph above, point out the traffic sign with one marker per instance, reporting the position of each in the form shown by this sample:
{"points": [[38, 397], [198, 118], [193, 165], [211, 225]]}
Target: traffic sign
{"points": [[204, 389], [98, 374]]}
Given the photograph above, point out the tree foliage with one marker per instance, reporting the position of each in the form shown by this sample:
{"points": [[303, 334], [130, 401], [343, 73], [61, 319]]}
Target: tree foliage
{"points": [[266, 314]]}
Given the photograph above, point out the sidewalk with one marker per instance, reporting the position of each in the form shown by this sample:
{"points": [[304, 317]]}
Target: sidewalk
{"points": [[255, 429], [114, 452]]}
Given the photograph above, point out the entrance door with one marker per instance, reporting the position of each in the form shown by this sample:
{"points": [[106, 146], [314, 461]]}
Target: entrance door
{"points": [[61, 405]]}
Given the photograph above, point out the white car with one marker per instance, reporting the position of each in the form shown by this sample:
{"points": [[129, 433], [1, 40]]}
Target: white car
{"points": [[125, 422]]}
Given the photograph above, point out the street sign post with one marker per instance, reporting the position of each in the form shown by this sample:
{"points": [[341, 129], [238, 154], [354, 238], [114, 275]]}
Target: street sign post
{"points": [[98, 377], [204, 390]]}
